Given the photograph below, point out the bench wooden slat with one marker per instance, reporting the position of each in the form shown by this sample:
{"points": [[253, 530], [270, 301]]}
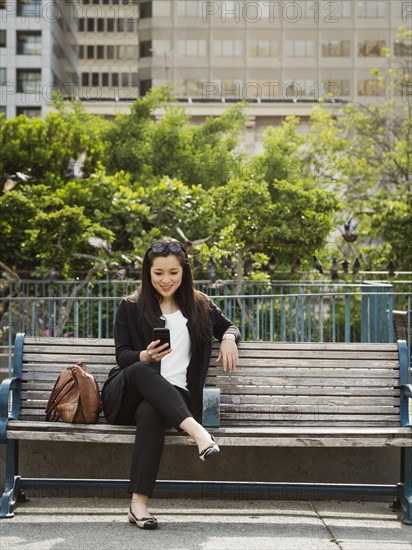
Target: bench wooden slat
{"points": [[225, 436], [371, 400], [301, 382], [390, 369], [296, 355], [250, 344], [259, 376], [342, 391]]}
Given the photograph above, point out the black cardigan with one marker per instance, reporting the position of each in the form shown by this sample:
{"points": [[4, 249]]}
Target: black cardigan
{"points": [[132, 335]]}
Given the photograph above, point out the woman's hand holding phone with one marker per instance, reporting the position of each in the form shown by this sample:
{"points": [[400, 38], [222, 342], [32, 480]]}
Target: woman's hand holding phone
{"points": [[160, 346]]}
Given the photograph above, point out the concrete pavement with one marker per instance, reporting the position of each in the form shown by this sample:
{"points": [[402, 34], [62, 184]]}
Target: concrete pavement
{"points": [[46, 523]]}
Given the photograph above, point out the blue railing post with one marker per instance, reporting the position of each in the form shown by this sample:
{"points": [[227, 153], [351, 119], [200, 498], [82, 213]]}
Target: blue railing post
{"points": [[376, 312], [347, 317]]}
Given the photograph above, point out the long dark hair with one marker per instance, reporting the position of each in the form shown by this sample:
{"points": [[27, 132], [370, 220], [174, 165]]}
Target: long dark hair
{"points": [[194, 305]]}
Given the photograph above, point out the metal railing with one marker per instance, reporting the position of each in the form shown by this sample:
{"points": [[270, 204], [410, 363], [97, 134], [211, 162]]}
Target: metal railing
{"points": [[280, 311]]}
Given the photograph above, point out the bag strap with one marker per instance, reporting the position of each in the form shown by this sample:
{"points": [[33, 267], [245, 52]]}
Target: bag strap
{"points": [[57, 394]]}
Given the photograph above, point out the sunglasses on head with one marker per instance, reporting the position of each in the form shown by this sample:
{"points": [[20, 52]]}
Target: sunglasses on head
{"points": [[173, 246]]}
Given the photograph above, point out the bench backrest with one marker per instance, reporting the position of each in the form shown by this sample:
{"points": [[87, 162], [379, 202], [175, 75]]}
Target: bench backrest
{"points": [[276, 384]]}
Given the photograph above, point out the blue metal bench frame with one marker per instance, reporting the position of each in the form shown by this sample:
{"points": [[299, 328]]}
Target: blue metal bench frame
{"points": [[15, 484]]}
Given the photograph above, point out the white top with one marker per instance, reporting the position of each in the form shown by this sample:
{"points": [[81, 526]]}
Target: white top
{"points": [[173, 367]]}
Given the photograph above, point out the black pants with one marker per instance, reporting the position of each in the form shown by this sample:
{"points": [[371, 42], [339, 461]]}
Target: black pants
{"points": [[153, 404]]}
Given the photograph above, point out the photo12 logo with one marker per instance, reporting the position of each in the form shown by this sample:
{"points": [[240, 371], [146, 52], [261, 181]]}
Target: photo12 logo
{"points": [[271, 10], [70, 10], [236, 90]]}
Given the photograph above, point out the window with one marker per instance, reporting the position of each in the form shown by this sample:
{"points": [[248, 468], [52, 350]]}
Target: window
{"points": [[403, 49], [336, 87], [263, 48], [95, 79], [29, 8], [28, 81], [121, 52], [161, 8], [85, 79], [299, 48], [2, 39], [160, 47], [30, 112], [228, 48], [105, 79], [145, 48], [110, 24], [371, 48], [195, 48], [342, 6], [131, 52], [189, 88], [402, 9], [100, 24], [81, 52], [100, 52], [189, 8], [370, 87], [145, 10], [115, 79], [231, 8], [366, 8], [145, 86], [125, 79], [120, 25], [131, 25], [90, 24], [300, 88], [81, 24], [90, 52], [3, 74], [336, 48], [110, 52], [29, 43], [268, 10]]}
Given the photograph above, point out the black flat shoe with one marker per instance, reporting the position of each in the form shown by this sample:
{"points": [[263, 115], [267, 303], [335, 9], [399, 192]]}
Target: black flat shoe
{"points": [[213, 449], [142, 523]]}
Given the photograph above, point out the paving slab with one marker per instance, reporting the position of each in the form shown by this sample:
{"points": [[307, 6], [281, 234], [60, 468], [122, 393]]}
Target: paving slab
{"points": [[200, 524]]}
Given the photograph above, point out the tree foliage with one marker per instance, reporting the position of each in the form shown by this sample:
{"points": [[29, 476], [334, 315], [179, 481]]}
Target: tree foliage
{"points": [[149, 149], [152, 173]]}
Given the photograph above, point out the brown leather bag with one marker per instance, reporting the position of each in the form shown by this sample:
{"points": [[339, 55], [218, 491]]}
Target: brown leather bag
{"points": [[75, 397]]}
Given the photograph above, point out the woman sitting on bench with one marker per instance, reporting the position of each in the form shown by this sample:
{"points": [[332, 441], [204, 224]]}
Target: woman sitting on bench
{"points": [[157, 385]]}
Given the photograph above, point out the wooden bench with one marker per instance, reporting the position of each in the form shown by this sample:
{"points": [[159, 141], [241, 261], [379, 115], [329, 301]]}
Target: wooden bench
{"points": [[288, 395]]}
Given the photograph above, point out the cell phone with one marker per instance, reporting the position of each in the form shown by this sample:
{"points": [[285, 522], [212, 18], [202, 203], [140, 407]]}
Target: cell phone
{"points": [[162, 334]]}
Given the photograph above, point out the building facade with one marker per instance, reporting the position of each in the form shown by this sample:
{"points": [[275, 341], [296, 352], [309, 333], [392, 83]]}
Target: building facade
{"points": [[269, 50], [280, 55], [38, 55]]}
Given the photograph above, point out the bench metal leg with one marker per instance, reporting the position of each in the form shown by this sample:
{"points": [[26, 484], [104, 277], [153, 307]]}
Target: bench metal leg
{"points": [[12, 491], [397, 503], [407, 485]]}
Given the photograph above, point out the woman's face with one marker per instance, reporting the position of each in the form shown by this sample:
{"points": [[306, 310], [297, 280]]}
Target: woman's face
{"points": [[166, 275]]}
